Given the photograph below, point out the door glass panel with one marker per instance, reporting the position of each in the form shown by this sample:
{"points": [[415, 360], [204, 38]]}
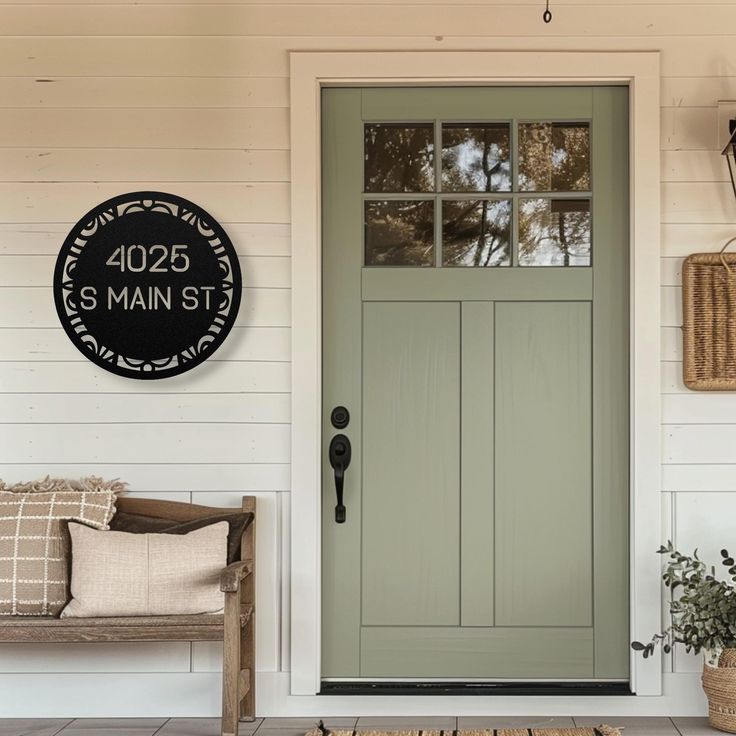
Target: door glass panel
{"points": [[476, 232], [399, 157], [554, 232], [399, 233], [554, 157], [476, 158]]}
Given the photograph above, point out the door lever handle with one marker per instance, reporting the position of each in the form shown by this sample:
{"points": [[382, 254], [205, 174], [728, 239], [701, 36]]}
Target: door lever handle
{"points": [[339, 453]]}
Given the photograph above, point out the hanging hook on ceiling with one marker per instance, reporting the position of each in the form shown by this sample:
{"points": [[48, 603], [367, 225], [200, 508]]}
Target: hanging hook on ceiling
{"points": [[547, 15]]}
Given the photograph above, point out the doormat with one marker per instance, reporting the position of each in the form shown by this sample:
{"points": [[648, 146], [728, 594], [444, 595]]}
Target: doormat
{"points": [[601, 730]]}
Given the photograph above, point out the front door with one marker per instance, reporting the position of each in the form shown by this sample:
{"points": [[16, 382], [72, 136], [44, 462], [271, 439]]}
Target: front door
{"points": [[475, 328]]}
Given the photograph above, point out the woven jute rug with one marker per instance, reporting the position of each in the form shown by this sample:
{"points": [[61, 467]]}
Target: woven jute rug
{"points": [[601, 730]]}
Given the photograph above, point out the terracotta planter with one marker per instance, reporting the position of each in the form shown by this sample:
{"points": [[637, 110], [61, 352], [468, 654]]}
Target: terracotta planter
{"points": [[719, 684]]}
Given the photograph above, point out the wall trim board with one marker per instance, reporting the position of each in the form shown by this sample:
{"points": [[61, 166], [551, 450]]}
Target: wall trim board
{"points": [[309, 72], [197, 694], [682, 695]]}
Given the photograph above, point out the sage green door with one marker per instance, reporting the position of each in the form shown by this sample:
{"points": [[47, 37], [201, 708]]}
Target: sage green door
{"points": [[475, 326]]}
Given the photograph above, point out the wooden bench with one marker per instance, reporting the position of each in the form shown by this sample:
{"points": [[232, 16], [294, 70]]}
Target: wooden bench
{"points": [[235, 627]]}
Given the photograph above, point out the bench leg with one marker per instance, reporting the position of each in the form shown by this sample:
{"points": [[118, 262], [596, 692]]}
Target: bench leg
{"points": [[248, 664], [231, 666]]}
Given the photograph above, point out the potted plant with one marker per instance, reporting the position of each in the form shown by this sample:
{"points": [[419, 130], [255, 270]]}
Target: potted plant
{"points": [[703, 614]]}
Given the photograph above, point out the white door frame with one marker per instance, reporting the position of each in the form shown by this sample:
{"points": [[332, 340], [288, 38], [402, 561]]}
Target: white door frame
{"points": [[310, 71]]}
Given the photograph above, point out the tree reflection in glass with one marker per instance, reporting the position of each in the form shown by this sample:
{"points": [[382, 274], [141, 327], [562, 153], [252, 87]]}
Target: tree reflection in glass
{"points": [[399, 233], [476, 158], [554, 232], [554, 157], [399, 157], [476, 232]]}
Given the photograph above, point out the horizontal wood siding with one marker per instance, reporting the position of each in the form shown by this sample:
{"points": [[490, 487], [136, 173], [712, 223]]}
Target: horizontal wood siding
{"points": [[100, 97]]}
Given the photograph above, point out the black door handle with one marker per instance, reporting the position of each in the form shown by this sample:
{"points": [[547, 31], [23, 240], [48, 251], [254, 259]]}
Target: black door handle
{"points": [[339, 453]]}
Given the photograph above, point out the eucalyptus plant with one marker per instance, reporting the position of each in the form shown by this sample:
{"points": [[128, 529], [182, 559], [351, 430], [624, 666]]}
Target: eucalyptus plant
{"points": [[704, 613]]}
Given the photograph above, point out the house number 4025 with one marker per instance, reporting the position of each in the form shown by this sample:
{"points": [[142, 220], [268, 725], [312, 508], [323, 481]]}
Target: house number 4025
{"points": [[162, 258]]}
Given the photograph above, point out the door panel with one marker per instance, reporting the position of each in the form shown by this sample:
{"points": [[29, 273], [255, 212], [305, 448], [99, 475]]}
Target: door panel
{"points": [[411, 463], [476, 483], [477, 103], [477, 330], [543, 504], [449, 284], [611, 383], [342, 372], [477, 652]]}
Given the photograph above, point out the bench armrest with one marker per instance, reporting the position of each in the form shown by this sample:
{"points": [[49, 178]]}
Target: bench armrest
{"points": [[233, 574]]}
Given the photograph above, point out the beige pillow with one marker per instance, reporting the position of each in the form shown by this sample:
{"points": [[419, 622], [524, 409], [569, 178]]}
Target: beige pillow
{"points": [[34, 554], [125, 574]]}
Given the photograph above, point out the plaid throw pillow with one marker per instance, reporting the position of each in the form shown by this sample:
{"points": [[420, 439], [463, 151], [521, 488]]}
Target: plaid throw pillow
{"points": [[34, 549]]}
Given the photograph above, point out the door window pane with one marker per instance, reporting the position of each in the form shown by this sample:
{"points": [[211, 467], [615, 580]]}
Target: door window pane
{"points": [[399, 157], [476, 232], [554, 232], [554, 157], [399, 233], [476, 158]]}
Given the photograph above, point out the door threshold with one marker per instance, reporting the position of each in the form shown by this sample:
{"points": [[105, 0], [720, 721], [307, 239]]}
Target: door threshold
{"points": [[363, 687]]}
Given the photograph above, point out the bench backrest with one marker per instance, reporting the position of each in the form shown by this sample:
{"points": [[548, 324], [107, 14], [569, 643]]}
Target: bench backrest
{"points": [[177, 510], [183, 511]]}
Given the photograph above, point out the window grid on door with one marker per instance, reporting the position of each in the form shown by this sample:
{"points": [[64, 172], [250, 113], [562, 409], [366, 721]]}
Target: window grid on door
{"points": [[569, 210]]}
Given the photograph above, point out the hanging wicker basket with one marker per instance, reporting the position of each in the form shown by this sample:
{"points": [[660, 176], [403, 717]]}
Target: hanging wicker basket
{"points": [[719, 684], [709, 321]]}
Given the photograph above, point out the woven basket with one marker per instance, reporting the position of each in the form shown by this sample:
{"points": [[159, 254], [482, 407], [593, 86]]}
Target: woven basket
{"points": [[709, 321], [719, 684]]}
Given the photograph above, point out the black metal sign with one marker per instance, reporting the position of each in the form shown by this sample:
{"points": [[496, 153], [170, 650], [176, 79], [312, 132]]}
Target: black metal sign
{"points": [[147, 285]]}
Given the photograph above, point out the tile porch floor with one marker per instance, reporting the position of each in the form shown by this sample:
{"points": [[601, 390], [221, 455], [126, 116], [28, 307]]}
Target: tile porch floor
{"points": [[639, 726]]}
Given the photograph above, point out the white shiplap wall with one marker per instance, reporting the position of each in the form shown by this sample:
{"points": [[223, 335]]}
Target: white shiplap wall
{"points": [[98, 98]]}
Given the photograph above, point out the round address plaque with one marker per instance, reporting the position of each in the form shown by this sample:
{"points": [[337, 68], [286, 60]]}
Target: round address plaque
{"points": [[147, 285]]}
